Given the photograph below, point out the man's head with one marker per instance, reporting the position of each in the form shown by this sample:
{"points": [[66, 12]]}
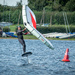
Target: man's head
{"points": [[19, 27]]}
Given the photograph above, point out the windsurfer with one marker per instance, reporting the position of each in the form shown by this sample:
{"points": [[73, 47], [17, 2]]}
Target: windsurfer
{"points": [[20, 37]]}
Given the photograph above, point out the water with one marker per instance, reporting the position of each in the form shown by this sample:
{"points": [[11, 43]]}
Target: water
{"points": [[43, 61]]}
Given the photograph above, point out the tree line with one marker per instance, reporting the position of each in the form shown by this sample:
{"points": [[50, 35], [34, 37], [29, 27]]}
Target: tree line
{"points": [[52, 5], [13, 13]]}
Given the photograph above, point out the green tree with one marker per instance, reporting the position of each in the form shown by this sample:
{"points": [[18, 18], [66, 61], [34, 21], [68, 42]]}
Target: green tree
{"points": [[57, 6], [19, 5], [31, 4], [1, 8], [39, 4], [63, 2], [70, 5]]}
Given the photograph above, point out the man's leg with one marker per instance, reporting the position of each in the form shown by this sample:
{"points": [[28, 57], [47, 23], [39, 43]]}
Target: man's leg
{"points": [[23, 44]]}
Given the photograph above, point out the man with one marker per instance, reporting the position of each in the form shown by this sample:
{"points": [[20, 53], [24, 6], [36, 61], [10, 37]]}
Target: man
{"points": [[20, 37]]}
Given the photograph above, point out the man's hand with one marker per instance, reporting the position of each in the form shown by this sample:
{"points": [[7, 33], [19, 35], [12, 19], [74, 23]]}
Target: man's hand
{"points": [[24, 29], [28, 32]]}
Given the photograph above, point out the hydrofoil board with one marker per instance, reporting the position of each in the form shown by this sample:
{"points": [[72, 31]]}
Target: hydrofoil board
{"points": [[26, 54]]}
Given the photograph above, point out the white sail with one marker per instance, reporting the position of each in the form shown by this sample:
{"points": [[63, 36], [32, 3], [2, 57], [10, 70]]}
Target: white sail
{"points": [[30, 17], [29, 22]]}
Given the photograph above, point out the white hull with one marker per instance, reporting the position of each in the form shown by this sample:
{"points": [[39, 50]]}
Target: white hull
{"points": [[67, 36]]}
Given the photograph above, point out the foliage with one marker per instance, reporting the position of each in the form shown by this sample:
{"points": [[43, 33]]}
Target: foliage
{"points": [[53, 5], [6, 29], [55, 28], [63, 2], [70, 5], [53, 8], [57, 17]]}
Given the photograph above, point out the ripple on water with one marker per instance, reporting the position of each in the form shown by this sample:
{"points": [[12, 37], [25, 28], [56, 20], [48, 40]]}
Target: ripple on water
{"points": [[43, 61]]}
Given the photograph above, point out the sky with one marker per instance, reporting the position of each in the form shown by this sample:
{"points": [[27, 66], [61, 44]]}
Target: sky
{"points": [[11, 2]]}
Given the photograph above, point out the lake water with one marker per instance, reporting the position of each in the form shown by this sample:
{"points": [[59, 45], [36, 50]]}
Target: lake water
{"points": [[43, 61]]}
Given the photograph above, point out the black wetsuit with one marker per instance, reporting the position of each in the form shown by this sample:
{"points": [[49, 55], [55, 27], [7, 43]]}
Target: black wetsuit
{"points": [[21, 40]]}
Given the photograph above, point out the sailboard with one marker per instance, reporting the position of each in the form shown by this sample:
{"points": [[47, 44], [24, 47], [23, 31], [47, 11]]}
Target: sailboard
{"points": [[29, 21], [26, 54]]}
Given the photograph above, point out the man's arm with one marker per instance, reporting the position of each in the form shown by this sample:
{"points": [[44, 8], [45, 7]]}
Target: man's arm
{"points": [[24, 29], [26, 33]]}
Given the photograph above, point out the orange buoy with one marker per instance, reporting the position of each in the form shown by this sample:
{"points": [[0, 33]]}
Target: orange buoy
{"points": [[66, 56]]}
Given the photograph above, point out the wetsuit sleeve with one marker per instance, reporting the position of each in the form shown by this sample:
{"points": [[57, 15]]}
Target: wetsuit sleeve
{"points": [[26, 33], [23, 29]]}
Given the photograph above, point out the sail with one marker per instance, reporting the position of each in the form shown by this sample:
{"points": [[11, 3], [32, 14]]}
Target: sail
{"points": [[31, 17], [29, 21]]}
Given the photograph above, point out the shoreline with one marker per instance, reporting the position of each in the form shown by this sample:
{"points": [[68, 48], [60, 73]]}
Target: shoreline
{"points": [[31, 37], [70, 39]]}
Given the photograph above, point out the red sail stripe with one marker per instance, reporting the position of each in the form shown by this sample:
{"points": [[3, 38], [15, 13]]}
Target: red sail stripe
{"points": [[33, 21]]}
